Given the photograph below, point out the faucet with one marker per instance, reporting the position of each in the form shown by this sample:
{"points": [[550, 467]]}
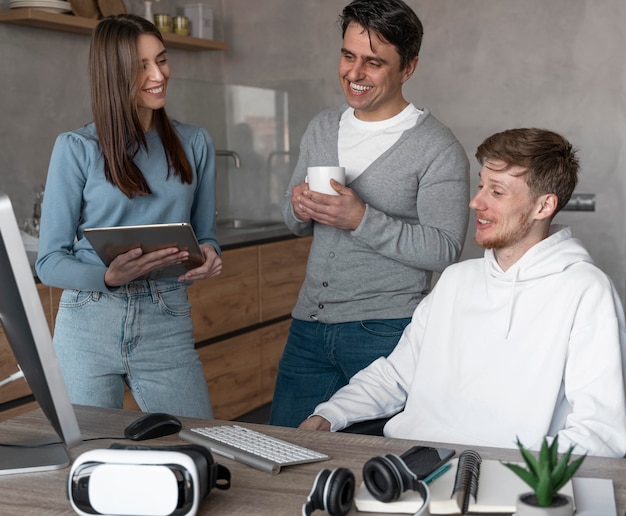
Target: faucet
{"points": [[232, 154], [275, 153]]}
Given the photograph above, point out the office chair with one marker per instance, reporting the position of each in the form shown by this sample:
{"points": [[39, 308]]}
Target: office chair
{"points": [[370, 427]]}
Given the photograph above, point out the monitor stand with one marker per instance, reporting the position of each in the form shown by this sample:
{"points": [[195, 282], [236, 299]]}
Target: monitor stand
{"points": [[33, 456]]}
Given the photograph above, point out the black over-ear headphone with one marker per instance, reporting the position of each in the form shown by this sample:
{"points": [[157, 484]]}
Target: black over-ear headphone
{"points": [[386, 478], [333, 492]]}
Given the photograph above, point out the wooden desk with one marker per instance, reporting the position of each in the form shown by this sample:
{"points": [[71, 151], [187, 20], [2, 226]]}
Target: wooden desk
{"points": [[252, 491]]}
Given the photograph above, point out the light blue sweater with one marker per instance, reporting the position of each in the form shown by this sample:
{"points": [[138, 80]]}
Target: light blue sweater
{"points": [[78, 196], [417, 195]]}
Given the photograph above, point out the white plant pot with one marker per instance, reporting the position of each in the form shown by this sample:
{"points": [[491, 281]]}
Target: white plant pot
{"points": [[562, 506]]}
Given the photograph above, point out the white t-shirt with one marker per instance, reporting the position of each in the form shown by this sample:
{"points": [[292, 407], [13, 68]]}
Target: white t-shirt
{"points": [[360, 143]]}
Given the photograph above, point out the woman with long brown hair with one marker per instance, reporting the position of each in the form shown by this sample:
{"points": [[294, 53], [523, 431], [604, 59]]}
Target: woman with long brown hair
{"points": [[132, 165]]}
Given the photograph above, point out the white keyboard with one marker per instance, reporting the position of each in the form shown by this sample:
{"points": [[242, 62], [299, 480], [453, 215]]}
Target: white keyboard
{"points": [[250, 447]]}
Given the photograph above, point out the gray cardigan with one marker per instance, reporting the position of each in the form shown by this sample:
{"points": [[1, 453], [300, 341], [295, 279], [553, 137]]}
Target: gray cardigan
{"points": [[416, 196]]}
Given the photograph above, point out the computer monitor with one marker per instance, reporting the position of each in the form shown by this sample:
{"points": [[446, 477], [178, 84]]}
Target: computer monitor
{"points": [[27, 331]]}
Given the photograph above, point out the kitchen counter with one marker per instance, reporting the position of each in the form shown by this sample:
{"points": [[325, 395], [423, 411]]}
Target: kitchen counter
{"points": [[240, 232]]}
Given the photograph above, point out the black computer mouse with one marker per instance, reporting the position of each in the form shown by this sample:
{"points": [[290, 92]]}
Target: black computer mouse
{"points": [[152, 425]]}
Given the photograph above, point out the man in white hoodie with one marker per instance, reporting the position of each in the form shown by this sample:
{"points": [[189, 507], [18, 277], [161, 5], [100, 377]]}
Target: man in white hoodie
{"points": [[526, 342]]}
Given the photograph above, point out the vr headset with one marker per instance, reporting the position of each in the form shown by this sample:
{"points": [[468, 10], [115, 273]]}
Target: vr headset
{"points": [[144, 480]]}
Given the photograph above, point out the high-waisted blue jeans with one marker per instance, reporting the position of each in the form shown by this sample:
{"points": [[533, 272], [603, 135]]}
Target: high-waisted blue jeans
{"points": [[139, 335], [320, 358]]}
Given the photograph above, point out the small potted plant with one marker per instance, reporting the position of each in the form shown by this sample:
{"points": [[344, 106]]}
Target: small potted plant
{"points": [[546, 475]]}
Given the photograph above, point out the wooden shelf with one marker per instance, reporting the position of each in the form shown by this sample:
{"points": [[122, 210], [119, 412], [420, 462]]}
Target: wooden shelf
{"points": [[39, 19]]}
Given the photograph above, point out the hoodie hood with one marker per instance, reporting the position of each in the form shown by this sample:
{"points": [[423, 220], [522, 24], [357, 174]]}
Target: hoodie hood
{"points": [[552, 255]]}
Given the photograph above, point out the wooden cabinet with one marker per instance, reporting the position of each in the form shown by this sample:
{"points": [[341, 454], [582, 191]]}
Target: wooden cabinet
{"points": [[229, 301], [232, 370], [258, 284], [282, 266], [241, 321], [241, 371], [252, 298], [8, 365]]}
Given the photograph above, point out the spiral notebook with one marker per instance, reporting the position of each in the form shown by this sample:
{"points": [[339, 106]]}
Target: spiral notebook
{"points": [[490, 488]]}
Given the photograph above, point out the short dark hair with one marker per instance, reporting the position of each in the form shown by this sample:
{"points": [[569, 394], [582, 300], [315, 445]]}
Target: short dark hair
{"points": [[551, 162], [393, 20]]}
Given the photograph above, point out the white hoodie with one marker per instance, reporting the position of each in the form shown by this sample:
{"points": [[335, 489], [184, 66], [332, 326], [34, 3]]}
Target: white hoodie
{"points": [[491, 356]]}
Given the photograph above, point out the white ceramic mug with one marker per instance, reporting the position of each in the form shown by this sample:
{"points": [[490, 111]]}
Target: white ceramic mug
{"points": [[319, 178]]}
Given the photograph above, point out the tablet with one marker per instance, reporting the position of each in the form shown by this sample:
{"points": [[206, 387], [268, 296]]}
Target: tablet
{"points": [[112, 241]]}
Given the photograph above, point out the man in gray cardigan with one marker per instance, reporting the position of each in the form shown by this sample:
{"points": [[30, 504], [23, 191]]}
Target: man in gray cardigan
{"points": [[402, 214]]}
